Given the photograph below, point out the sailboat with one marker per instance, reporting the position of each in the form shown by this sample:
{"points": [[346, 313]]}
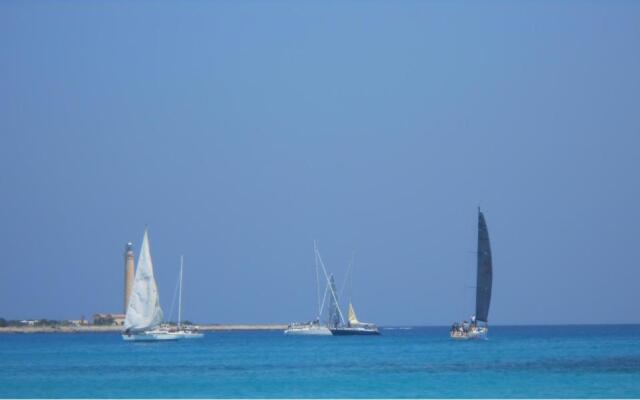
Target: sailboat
{"points": [[353, 326], [314, 327], [484, 278], [144, 315], [184, 332], [337, 324]]}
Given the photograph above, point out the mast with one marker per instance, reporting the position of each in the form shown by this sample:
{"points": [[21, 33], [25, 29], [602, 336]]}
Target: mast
{"points": [[180, 294], [315, 254], [348, 278], [334, 296]]}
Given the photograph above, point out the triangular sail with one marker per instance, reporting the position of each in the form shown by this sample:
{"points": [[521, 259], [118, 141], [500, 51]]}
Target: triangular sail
{"points": [[352, 315], [143, 311], [485, 271]]}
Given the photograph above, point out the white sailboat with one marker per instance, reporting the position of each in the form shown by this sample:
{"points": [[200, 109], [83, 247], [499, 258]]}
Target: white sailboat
{"points": [[144, 315], [314, 327], [184, 332], [307, 328]]}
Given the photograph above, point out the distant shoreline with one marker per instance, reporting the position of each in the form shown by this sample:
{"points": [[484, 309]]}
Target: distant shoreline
{"points": [[255, 327], [109, 328]]}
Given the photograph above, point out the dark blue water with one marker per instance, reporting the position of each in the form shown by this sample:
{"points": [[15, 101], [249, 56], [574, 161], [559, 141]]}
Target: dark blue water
{"points": [[561, 361]]}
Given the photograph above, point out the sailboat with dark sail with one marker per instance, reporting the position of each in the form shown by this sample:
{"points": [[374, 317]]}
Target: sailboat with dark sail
{"points": [[484, 278]]}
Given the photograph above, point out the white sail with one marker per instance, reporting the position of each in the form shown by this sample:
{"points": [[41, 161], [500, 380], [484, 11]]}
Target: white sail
{"points": [[143, 311]]}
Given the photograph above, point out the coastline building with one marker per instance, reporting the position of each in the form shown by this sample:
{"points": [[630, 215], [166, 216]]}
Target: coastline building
{"points": [[129, 275], [108, 319], [78, 322]]}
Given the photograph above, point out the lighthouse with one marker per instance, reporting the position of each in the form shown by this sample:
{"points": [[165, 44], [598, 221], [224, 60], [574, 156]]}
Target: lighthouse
{"points": [[128, 273]]}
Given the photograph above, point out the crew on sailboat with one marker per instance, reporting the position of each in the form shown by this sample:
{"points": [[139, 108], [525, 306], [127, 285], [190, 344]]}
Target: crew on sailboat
{"points": [[484, 280]]}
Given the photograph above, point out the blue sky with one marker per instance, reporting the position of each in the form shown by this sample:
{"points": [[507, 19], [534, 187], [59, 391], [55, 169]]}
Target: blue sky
{"points": [[242, 131]]}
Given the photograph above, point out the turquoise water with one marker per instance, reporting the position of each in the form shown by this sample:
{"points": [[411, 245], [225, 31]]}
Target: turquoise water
{"points": [[561, 361]]}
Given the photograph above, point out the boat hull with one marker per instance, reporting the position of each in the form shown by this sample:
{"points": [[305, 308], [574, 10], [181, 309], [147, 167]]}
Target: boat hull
{"points": [[475, 334], [182, 335], [354, 332], [148, 337], [308, 331]]}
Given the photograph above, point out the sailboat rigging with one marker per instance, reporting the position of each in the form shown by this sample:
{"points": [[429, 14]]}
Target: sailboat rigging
{"points": [[315, 327], [184, 332], [351, 326]]}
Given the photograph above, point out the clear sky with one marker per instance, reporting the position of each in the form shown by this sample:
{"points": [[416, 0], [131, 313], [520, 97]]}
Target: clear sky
{"points": [[242, 131]]}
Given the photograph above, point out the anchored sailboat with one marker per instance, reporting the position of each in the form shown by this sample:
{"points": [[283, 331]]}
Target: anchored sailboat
{"points": [[184, 332], [353, 326], [314, 327], [337, 324], [484, 281], [144, 315]]}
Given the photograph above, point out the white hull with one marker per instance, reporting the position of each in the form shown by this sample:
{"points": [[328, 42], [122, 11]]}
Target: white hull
{"points": [[149, 336], [180, 335], [473, 334], [315, 330]]}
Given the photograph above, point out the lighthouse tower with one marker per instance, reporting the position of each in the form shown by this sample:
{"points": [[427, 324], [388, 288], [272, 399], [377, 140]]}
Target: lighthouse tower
{"points": [[128, 273]]}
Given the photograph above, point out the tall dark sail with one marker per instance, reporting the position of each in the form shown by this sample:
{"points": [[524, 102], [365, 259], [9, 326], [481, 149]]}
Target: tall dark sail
{"points": [[334, 313], [485, 271]]}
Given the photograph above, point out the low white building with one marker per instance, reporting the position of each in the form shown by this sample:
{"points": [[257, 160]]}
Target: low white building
{"points": [[108, 319]]}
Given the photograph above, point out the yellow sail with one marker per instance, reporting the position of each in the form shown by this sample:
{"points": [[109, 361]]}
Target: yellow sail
{"points": [[352, 315]]}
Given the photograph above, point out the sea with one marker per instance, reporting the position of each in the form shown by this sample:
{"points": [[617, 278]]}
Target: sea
{"points": [[525, 361]]}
